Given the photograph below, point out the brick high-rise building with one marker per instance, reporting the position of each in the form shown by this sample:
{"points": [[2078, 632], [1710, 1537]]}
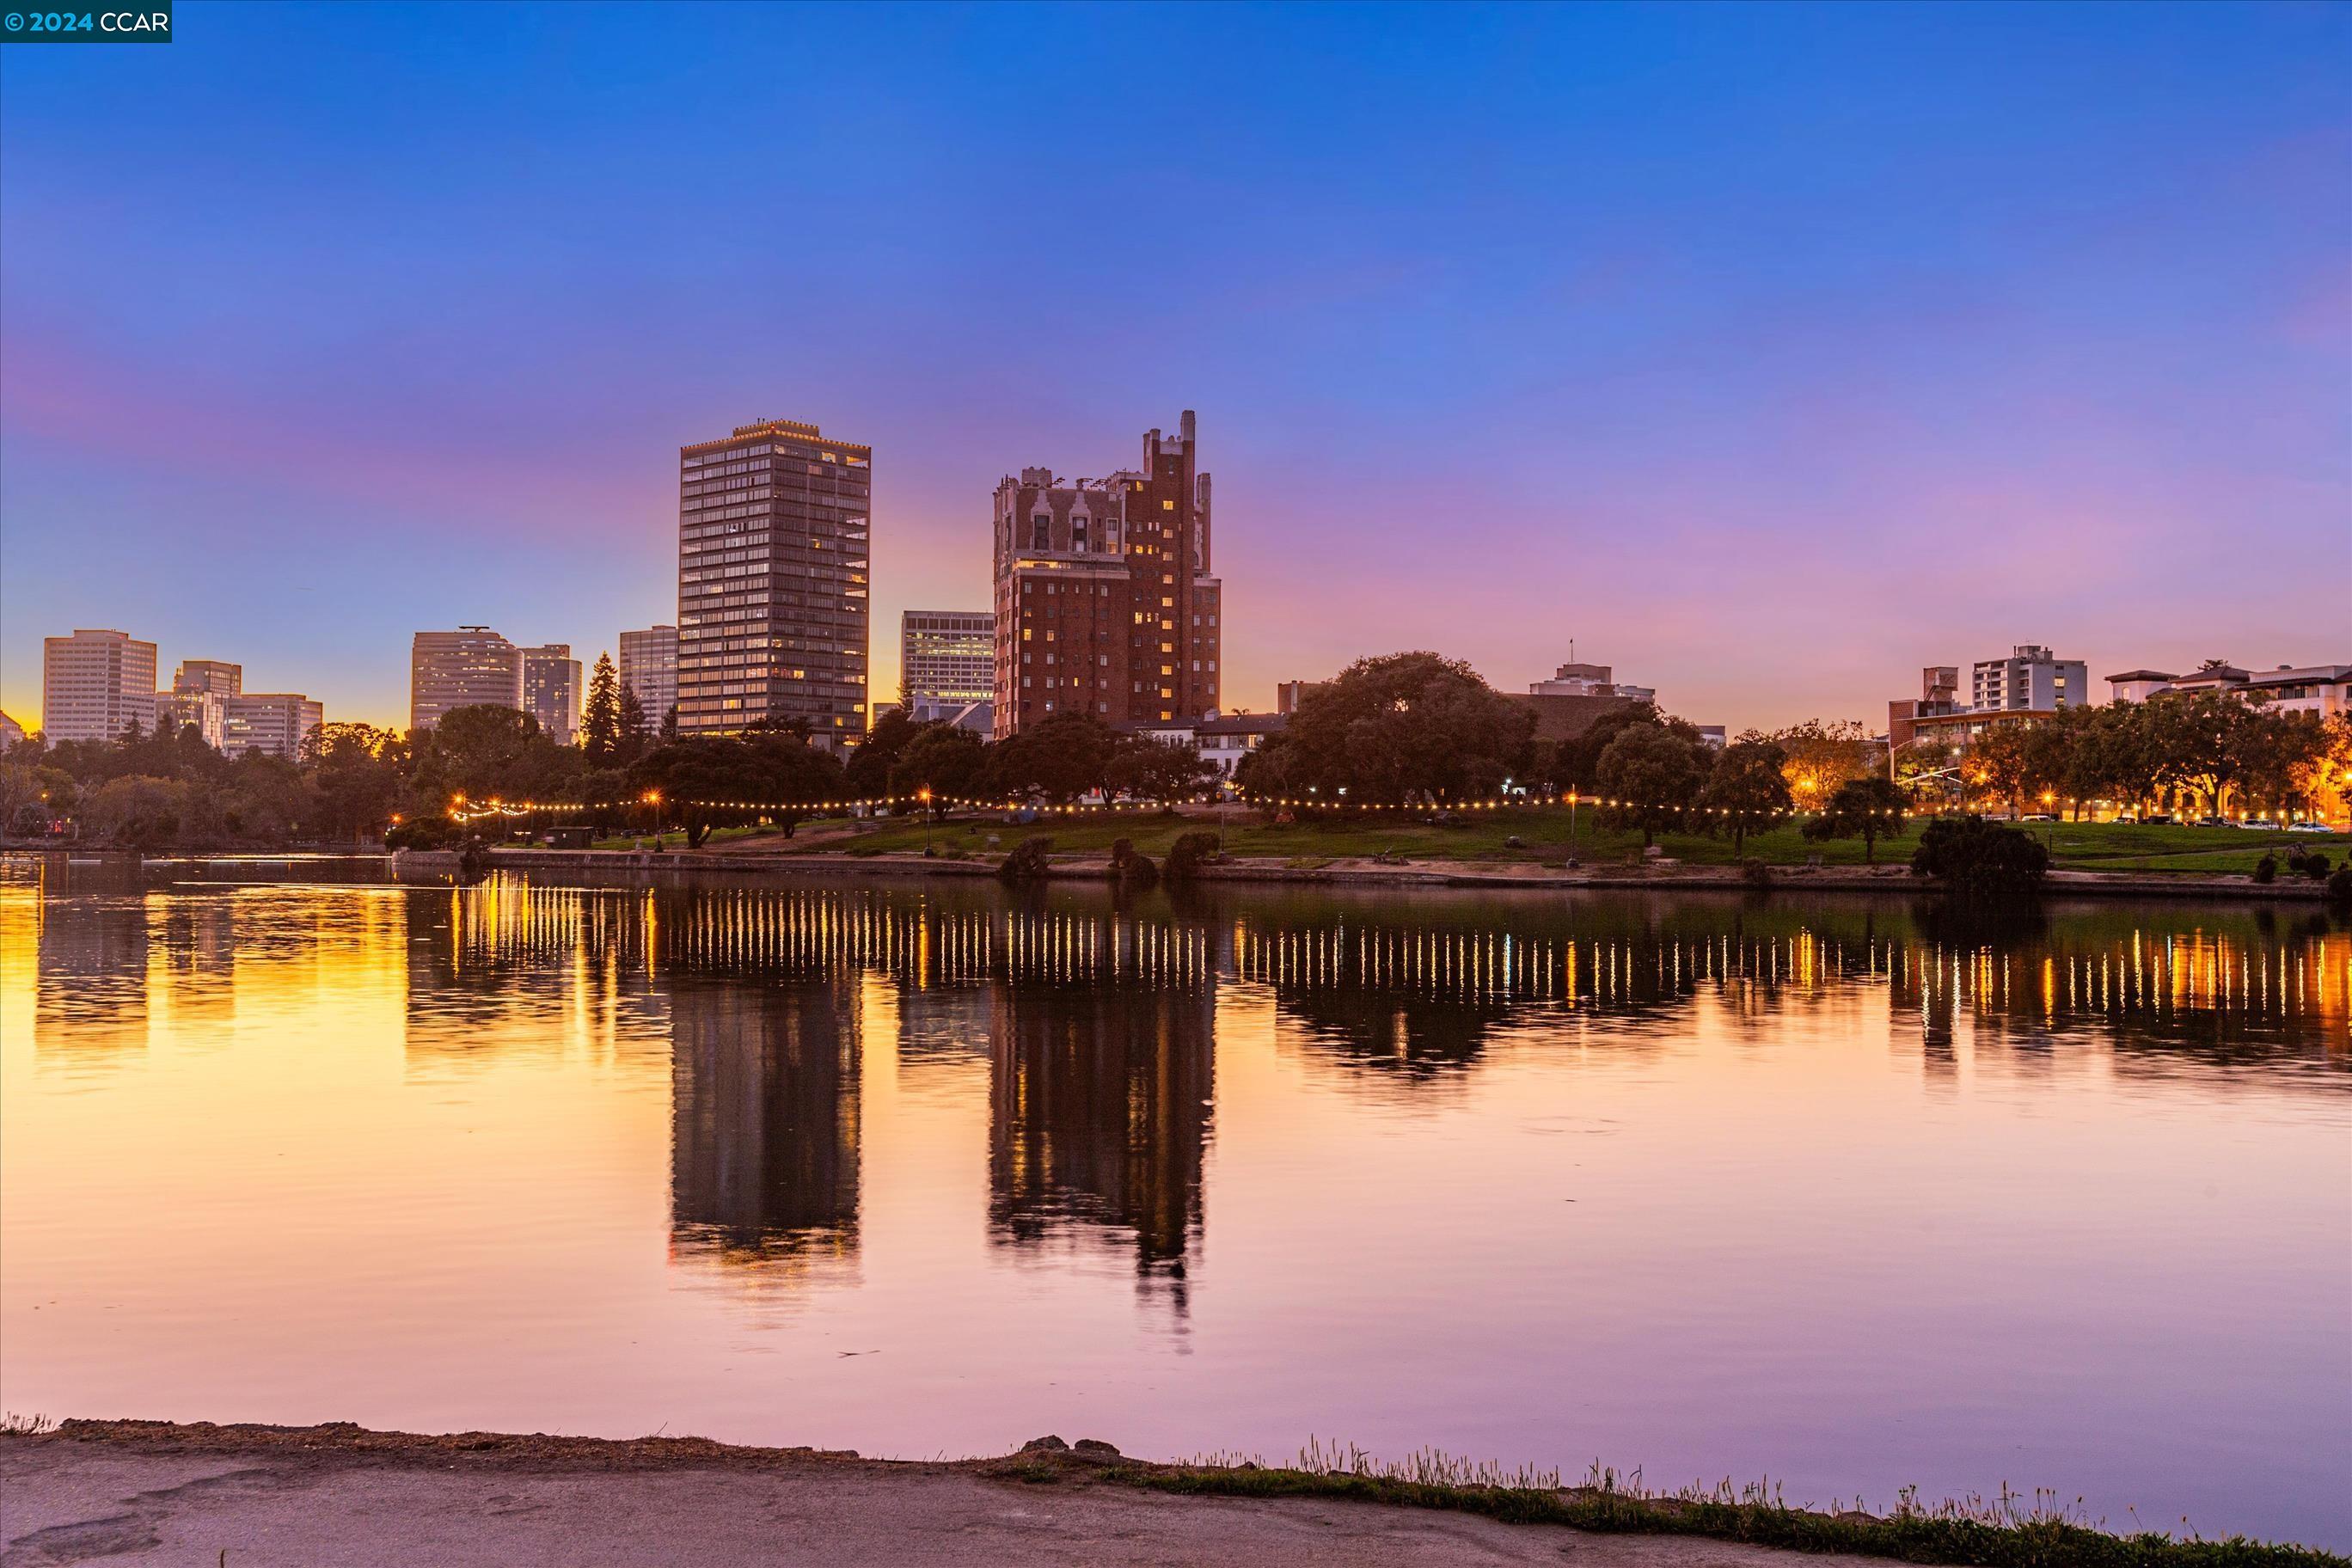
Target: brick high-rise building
{"points": [[1105, 600], [773, 523]]}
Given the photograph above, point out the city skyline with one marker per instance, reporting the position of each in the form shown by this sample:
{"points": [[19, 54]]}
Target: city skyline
{"points": [[1496, 355]]}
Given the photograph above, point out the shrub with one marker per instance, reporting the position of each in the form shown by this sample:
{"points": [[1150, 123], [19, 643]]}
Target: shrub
{"points": [[1131, 869], [423, 833], [1189, 854], [1027, 862], [1754, 872], [2339, 886], [2266, 868], [2315, 866], [1973, 856]]}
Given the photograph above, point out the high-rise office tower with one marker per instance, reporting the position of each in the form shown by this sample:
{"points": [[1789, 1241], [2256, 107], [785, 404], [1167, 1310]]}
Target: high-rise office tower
{"points": [[217, 676], [551, 690], [468, 667], [649, 668], [95, 685], [1104, 601], [772, 615], [947, 660]]}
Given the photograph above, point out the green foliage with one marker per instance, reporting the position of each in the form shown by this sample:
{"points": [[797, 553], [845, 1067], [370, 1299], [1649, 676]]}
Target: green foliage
{"points": [[951, 764], [717, 781], [1747, 790], [636, 729], [1141, 768], [1868, 808], [1188, 855], [1058, 759], [424, 833], [2266, 868], [1027, 861], [2339, 886], [1129, 869], [600, 717], [1407, 728], [1973, 856], [869, 768], [1656, 772]]}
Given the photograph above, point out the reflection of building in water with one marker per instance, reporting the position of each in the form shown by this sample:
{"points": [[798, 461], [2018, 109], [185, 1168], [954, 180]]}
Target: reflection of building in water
{"points": [[89, 995], [1100, 1095], [764, 1129], [2153, 992], [195, 953]]}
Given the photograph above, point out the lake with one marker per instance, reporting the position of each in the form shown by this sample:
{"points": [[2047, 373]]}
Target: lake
{"points": [[1850, 1193]]}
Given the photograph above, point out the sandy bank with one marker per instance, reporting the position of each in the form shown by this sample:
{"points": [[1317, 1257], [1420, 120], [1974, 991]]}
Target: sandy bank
{"points": [[137, 1492]]}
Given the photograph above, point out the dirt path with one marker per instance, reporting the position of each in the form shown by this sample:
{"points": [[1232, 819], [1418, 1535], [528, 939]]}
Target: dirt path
{"points": [[150, 1493]]}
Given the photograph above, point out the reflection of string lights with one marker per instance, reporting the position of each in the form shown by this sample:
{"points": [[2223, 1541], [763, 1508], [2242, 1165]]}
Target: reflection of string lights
{"points": [[461, 810]]}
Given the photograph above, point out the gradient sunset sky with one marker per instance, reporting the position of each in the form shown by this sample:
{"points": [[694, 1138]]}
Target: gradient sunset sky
{"points": [[1769, 353]]}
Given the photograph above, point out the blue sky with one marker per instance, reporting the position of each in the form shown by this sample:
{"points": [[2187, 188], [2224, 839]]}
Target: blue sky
{"points": [[1769, 352]]}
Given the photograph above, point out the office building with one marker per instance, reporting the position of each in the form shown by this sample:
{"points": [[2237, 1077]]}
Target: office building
{"points": [[177, 708], [11, 732], [1106, 603], [274, 723], [471, 666], [551, 690], [95, 685], [947, 661], [649, 668], [2030, 679], [773, 525], [216, 676]]}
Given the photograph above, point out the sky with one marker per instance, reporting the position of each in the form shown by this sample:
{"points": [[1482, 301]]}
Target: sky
{"points": [[1769, 353]]}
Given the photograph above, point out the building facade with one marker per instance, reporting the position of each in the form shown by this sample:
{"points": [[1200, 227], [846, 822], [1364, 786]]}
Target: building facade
{"points": [[217, 676], [649, 668], [1573, 679], [2324, 690], [1106, 597], [947, 660], [551, 690], [95, 685], [2030, 679], [471, 666], [774, 525], [274, 723], [177, 710]]}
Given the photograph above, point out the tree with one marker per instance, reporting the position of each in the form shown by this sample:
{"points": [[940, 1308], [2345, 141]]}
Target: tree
{"points": [[600, 717], [868, 773], [669, 734], [1823, 756], [20, 787], [717, 781], [2000, 762], [1976, 857], [1653, 775], [940, 765], [1576, 763], [354, 776], [1144, 769], [1868, 808], [2191, 735], [1747, 790], [1058, 759], [138, 811], [634, 728], [1405, 728]]}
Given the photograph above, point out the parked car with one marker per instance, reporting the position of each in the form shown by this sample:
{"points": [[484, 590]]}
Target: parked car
{"points": [[2214, 822], [2153, 820], [2038, 816], [2308, 828]]}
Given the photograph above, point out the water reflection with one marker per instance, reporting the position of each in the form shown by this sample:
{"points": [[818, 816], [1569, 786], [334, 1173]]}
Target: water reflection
{"points": [[764, 1116], [597, 1131]]}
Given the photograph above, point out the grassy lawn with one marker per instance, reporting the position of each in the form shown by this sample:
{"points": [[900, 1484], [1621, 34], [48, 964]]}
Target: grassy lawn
{"points": [[1543, 833]]}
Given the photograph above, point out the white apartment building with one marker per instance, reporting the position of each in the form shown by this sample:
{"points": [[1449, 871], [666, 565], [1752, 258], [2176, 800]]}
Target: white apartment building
{"points": [[95, 685], [551, 690], [2030, 679], [274, 723]]}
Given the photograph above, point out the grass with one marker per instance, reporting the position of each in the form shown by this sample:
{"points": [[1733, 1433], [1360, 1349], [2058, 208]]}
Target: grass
{"points": [[2007, 1532], [1543, 833]]}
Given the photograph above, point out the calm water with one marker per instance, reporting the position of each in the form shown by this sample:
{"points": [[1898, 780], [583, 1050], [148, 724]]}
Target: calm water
{"points": [[1818, 1189]]}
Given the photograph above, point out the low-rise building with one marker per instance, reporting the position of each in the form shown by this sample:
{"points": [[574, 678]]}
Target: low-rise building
{"points": [[1224, 738], [2322, 689], [1574, 680]]}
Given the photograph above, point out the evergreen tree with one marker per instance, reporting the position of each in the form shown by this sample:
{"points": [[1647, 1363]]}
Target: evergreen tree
{"points": [[634, 726], [600, 726], [669, 726]]}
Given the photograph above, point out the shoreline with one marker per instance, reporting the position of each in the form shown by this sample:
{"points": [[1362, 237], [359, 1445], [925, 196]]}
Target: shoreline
{"points": [[1895, 878], [341, 1492]]}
